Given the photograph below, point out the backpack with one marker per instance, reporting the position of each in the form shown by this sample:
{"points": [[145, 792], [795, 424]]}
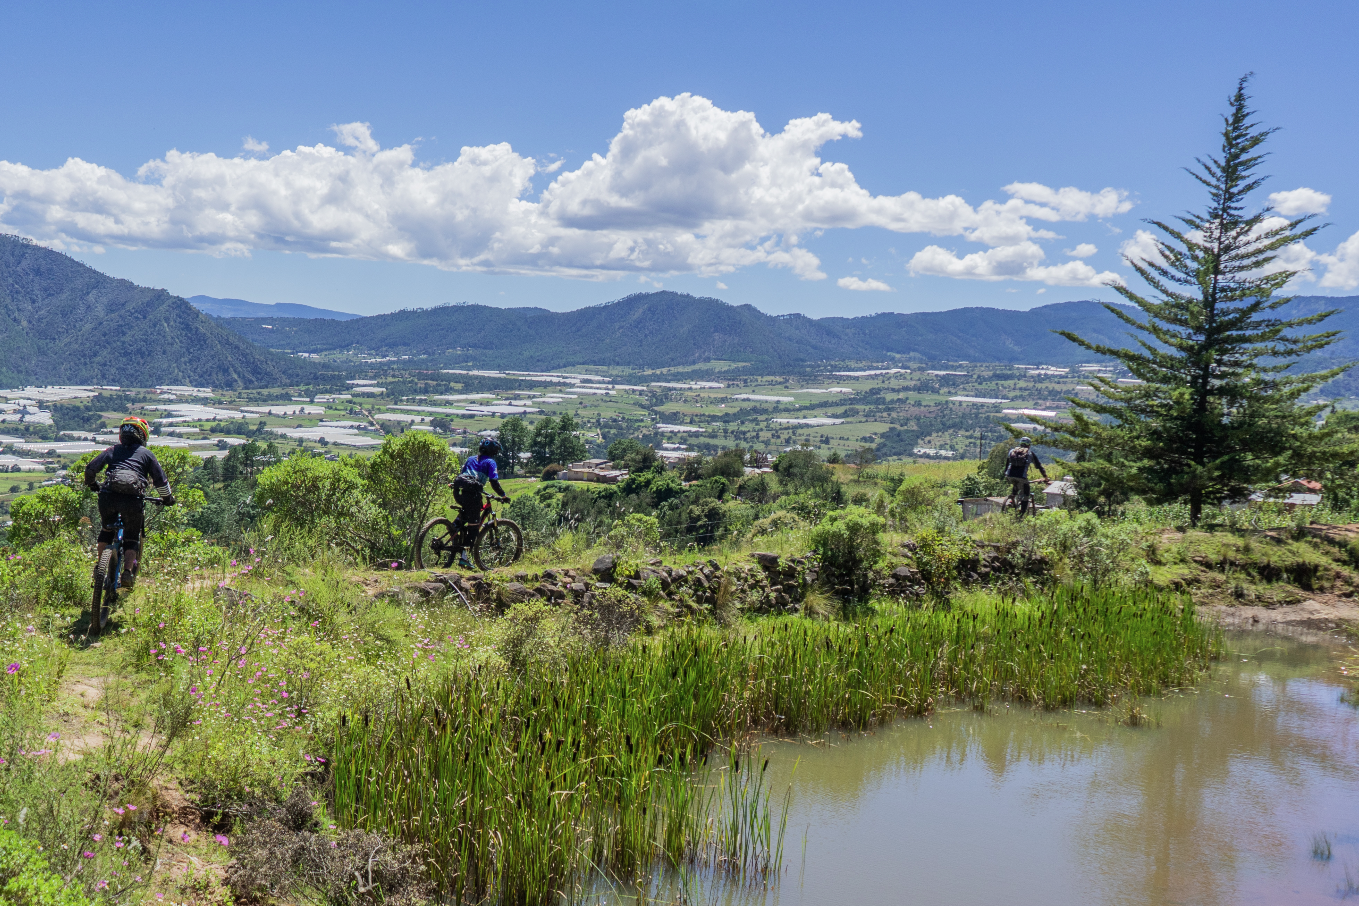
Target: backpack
{"points": [[1017, 463], [124, 481]]}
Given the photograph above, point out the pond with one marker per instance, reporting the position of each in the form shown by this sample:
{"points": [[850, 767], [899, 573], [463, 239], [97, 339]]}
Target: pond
{"points": [[1220, 797]]}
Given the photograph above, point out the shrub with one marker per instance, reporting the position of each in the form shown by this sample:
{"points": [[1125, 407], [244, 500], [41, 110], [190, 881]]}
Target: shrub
{"points": [[635, 533], [538, 521], [776, 523], [26, 879], [919, 492], [49, 513], [551, 471], [939, 553], [849, 543]]}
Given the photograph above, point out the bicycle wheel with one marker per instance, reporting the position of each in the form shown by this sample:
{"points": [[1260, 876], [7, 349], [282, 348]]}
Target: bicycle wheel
{"points": [[102, 597], [436, 545], [500, 543]]}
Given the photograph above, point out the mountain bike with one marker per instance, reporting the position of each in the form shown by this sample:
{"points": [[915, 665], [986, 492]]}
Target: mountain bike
{"points": [[108, 573], [1023, 504], [496, 542]]}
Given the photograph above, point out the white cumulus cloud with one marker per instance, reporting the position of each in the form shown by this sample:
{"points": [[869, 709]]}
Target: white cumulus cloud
{"points": [[1299, 201], [253, 146], [864, 286], [684, 187], [1022, 261], [1084, 250], [1342, 267]]}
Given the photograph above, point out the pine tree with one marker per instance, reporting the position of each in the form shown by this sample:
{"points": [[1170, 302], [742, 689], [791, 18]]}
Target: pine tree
{"points": [[1220, 405]]}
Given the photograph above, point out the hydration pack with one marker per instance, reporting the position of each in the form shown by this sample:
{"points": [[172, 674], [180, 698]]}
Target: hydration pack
{"points": [[1017, 462], [124, 481]]}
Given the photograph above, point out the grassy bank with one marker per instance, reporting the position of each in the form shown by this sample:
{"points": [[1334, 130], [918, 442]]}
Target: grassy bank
{"points": [[520, 787]]}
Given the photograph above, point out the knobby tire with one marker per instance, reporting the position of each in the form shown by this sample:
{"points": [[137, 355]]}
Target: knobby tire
{"points": [[498, 544], [103, 596], [434, 545]]}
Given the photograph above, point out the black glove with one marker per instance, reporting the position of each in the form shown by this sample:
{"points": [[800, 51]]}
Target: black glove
{"points": [[504, 499], [93, 486], [168, 500]]}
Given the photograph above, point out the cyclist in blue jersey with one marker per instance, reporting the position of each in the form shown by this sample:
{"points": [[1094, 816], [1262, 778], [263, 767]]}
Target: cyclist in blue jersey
{"points": [[477, 471]]}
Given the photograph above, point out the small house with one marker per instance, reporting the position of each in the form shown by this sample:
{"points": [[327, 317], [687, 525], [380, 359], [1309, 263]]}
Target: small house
{"points": [[1060, 494]]}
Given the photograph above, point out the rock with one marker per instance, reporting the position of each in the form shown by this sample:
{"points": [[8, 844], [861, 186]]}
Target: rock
{"points": [[577, 588], [604, 565], [550, 575], [515, 593], [903, 574], [635, 584], [767, 560], [426, 590], [782, 600]]}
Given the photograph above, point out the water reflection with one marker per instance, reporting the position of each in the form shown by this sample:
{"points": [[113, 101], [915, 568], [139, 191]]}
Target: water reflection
{"points": [[1216, 803]]}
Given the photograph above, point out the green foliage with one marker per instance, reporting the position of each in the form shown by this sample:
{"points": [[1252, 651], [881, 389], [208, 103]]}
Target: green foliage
{"points": [[1218, 410], [778, 522], [372, 508], [66, 323], [27, 880], [537, 520], [729, 464], [52, 574], [802, 470], [635, 533], [405, 477], [938, 553], [47, 514], [919, 492], [514, 439], [981, 485], [849, 544], [556, 440]]}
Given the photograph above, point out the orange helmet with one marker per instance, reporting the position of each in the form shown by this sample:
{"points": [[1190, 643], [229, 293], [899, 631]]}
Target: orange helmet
{"points": [[134, 425]]}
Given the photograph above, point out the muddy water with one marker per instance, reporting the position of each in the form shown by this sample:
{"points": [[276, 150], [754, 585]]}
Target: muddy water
{"points": [[1217, 801]]}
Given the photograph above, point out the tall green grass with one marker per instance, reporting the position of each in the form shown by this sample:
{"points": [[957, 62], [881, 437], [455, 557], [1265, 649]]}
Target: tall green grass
{"points": [[521, 787]]}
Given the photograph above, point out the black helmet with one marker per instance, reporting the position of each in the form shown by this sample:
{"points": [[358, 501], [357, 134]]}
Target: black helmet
{"points": [[488, 447], [1026, 442]]}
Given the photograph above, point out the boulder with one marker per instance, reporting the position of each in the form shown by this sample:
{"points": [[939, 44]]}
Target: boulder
{"points": [[766, 560], [604, 565]]}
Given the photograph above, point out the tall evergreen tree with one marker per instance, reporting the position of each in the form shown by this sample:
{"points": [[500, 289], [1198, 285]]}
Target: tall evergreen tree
{"points": [[1220, 405]]}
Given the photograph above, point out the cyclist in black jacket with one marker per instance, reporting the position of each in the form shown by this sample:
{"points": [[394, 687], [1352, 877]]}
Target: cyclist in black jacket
{"points": [[131, 468]]}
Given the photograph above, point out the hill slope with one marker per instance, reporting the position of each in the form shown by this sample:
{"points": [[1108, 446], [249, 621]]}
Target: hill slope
{"points": [[664, 329], [240, 308], [64, 323]]}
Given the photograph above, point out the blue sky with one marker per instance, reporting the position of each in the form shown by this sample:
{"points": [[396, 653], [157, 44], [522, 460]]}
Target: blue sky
{"points": [[984, 110]]}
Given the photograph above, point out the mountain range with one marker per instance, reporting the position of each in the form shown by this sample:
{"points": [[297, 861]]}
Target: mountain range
{"points": [[62, 322], [239, 308], [668, 329]]}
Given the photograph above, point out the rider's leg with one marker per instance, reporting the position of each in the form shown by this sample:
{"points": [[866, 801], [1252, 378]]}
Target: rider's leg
{"points": [[130, 561]]}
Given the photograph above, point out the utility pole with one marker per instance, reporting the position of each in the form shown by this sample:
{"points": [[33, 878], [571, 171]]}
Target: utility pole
{"points": [[981, 445]]}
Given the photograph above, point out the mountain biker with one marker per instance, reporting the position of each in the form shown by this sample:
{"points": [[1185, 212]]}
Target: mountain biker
{"points": [[467, 490], [131, 467], [1017, 463]]}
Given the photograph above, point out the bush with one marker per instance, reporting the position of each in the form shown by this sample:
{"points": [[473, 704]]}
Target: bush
{"points": [[938, 555], [49, 513], [919, 492], [635, 533], [52, 574], [551, 471], [849, 543], [538, 521], [776, 523], [26, 879]]}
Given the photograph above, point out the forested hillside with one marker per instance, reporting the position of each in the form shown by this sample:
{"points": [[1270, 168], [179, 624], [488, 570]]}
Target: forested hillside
{"points": [[666, 329], [64, 323]]}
